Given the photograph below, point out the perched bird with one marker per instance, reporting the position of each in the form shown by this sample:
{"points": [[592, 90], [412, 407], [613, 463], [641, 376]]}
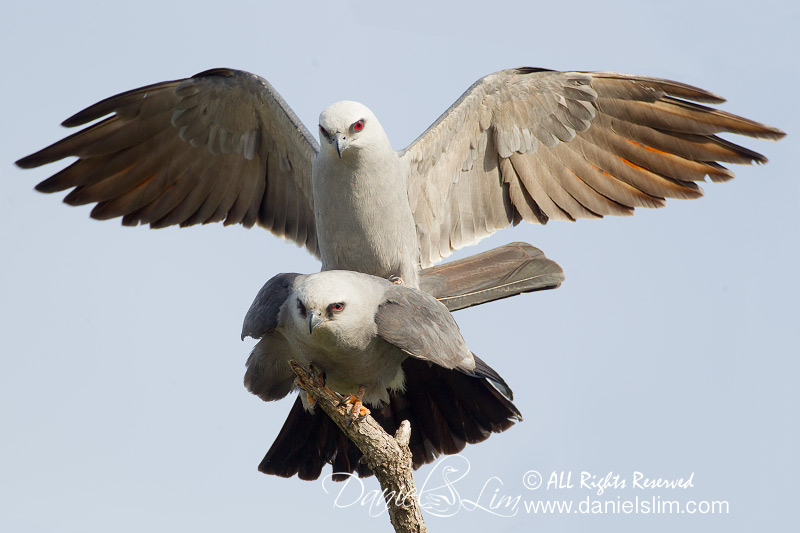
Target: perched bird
{"points": [[520, 144], [396, 348]]}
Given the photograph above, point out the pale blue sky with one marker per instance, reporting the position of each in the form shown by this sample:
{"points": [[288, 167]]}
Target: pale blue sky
{"points": [[671, 348]]}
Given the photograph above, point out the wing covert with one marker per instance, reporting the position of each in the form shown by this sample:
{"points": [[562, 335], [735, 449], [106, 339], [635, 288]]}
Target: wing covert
{"points": [[422, 327]]}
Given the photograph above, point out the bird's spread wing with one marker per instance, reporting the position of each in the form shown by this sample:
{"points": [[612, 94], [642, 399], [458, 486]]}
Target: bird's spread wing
{"points": [[532, 144], [219, 146], [422, 327]]}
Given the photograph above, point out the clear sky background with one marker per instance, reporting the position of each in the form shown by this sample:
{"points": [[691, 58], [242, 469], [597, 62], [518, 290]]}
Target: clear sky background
{"points": [[670, 349]]}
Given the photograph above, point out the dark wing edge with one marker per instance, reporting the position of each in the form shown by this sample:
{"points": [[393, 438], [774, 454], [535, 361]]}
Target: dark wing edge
{"points": [[221, 146], [533, 144], [262, 317], [483, 370], [268, 374]]}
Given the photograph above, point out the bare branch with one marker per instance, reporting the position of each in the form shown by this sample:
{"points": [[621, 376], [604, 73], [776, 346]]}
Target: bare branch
{"points": [[388, 457]]}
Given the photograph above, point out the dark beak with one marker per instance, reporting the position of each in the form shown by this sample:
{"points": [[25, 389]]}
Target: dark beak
{"points": [[340, 142], [314, 320]]}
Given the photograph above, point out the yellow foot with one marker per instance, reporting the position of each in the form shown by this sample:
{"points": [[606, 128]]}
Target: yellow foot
{"points": [[312, 403], [357, 411], [397, 280]]}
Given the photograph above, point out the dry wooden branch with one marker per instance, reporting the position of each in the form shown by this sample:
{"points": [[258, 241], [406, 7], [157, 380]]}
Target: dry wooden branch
{"points": [[388, 457]]}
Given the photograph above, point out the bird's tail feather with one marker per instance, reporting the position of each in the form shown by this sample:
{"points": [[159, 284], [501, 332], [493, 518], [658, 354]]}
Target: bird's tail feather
{"points": [[306, 443], [493, 275], [447, 409]]}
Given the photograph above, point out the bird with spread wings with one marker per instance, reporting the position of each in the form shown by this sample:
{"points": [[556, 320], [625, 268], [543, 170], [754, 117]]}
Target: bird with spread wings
{"points": [[520, 144]]}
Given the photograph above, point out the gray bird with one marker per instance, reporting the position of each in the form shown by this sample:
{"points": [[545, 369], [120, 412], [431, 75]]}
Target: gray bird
{"points": [[520, 144], [397, 345]]}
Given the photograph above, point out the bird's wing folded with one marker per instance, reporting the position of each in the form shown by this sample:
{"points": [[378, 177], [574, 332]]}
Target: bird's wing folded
{"points": [[422, 327], [219, 146], [532, 144], [268, 375]]}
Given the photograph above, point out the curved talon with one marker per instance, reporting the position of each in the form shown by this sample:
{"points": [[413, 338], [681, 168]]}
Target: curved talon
{"points": [[312, 402], [397, 280], [319, 380], [318, 377], [357, 411]]}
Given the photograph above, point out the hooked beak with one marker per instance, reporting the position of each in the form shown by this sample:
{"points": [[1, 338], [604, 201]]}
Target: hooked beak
{"points": [[314, 320], [340, 142]]}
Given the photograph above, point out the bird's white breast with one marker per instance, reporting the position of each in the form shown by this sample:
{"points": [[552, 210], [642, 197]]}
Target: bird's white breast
{"points": [[364, 221]]}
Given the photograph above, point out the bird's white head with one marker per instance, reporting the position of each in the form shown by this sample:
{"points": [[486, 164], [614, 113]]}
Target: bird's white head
{"points": [[350, 126], [339, 305]]}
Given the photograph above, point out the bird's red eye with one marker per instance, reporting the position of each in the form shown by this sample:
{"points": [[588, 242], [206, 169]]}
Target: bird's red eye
{"points": [[337, 307], [358, 126]]}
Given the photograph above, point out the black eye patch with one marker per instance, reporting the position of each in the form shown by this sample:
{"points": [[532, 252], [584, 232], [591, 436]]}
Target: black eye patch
{"points": [[334, 308]]}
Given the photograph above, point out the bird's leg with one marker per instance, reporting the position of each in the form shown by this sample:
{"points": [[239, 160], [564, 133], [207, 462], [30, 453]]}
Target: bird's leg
{"points": [[397, 280], [357, 411]]}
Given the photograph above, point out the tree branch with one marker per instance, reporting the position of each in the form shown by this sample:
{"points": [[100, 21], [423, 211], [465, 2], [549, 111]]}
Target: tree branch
{"points": [[388, 457]]}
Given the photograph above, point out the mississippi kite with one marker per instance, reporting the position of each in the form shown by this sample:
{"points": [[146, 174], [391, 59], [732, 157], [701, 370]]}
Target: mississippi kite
{"points": [[398, 345], [520, 144]]}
